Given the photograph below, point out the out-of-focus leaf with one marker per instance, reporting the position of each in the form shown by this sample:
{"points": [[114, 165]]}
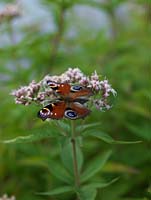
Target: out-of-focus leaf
{"points": [[115, 167], [144, 131], [33, 161], [95, 166], [133, 199], [137, 109], [57, 191]]}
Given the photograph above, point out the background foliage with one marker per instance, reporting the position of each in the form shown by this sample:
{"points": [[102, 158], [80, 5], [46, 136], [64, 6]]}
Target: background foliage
{"points": [[119, 50]]}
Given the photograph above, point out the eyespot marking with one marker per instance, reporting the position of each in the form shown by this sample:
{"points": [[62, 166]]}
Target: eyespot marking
{"points": [[52, 84], [44, 113], [71, 114], [76, 88]]}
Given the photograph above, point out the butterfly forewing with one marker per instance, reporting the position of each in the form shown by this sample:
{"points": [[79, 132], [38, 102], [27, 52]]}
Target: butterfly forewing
{"points": [[66, 91]]}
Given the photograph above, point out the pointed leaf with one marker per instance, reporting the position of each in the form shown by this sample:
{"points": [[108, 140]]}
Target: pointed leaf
{"points": [[35, 136], [57, 191], [67, 155], [59, 172], [99, 184], [85, 194], [95, 166], [84, 127], [107, 138]]}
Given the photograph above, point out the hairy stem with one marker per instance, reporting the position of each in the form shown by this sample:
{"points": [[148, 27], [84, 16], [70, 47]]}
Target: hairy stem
{"points": [[75, 162]]}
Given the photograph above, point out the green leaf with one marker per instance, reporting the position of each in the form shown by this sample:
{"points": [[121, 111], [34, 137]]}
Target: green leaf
{"points": [[99, 184], [115, 167], [36, 136], [134, 199], [107, 138], [67, 155], [62, 126], [57, 191], [85, 194], [59, 172], [142, 130], [95, 166], [84, 127]]}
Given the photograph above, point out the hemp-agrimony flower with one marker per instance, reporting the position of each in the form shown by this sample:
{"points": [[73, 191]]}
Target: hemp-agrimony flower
{"points": [[46, 91]]}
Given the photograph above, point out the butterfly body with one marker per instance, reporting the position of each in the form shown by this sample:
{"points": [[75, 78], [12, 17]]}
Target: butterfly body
{"points": [[70, 102]]}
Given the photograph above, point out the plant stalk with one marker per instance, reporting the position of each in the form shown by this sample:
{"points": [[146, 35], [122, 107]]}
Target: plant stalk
{"points": [[57, 38], [74, 152]]}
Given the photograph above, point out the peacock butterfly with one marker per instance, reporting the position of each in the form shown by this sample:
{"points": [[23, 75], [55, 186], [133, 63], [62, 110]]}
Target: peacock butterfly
{"points": [[69, 102]]}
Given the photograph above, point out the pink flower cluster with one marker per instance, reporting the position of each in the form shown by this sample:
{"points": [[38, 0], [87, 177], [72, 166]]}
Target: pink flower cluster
{"points": [[72, 75], [41, 93], [26, 94]]}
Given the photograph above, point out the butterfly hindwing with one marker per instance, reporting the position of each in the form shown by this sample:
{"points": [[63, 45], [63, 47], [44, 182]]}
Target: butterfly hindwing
{"points": [[60, 109], [76, 111]]}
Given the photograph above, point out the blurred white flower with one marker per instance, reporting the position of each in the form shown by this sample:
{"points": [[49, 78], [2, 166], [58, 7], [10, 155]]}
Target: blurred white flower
{"points": [[5, 197], [10, 12]]}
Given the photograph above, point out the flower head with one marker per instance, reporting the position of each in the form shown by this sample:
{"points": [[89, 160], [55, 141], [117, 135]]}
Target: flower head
{"points": [[42, 93], [26, 94]]}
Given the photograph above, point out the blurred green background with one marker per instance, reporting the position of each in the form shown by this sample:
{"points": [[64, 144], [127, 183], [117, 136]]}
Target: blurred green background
{"points": [[111, 36]]}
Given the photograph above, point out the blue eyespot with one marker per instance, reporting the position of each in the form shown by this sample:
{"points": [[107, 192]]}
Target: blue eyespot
{"points": [[44, 113], [70, 114], [76, 88]]}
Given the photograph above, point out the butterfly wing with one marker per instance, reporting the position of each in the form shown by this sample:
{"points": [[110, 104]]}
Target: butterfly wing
{"points": [[54, 111], [68, 92], [58, 110], [77, 92], [70, 104], [62, 89], [76, 111]]}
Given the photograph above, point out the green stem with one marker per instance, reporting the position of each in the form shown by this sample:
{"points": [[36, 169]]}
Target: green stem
{"points": [[75, 163], [57, 38]]}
